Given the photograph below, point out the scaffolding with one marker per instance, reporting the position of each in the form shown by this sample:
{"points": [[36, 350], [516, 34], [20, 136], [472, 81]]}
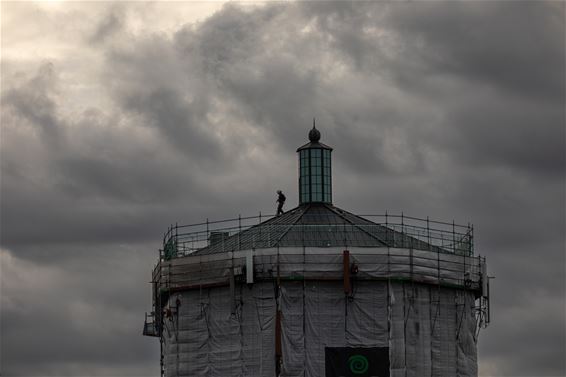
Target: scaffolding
{"points": [[255, 232], [434, 289]]}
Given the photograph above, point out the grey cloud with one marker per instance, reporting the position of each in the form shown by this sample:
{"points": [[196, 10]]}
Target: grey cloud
{"points": [[350, 31], [184, 124], [545, 323], [227, 38], [510, 133], [446, 110], [270, 88], [515, 47], [66, 186], [108, 26], [155, 87], [511, 54], [280, 99], [34, 102], [76, 316]]}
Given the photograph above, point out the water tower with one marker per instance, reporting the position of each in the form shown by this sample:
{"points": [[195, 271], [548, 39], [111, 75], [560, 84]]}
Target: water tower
{"points": [[319, 291]]}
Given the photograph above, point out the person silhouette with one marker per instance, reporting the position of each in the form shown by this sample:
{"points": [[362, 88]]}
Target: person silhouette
{"points": [[281, 200]]}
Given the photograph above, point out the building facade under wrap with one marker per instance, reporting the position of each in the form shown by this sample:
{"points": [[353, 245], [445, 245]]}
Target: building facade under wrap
{"points": [[319, 292]]}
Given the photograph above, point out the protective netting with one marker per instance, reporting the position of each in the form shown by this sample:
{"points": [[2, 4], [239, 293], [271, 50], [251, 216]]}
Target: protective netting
{"points": [[231, 332], [323, 263]]}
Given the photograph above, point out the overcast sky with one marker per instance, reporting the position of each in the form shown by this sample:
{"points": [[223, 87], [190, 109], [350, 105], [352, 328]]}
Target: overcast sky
{"points": [[118, 119]]}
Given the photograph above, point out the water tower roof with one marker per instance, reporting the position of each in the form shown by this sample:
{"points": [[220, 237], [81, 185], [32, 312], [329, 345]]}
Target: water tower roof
{"points": [[317, 225]]}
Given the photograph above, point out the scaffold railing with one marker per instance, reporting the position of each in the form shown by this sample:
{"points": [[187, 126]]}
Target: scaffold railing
{"points": [[254, 232]]}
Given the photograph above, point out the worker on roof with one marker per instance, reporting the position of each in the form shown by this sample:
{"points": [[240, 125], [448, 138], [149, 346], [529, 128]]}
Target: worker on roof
{"points": [[281, 200]]}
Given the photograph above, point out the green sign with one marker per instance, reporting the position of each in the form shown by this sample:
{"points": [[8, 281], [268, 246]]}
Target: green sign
{"points": [[357, 361]]}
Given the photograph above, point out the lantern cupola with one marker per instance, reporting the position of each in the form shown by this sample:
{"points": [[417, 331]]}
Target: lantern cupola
{"points": [[315, 170]]}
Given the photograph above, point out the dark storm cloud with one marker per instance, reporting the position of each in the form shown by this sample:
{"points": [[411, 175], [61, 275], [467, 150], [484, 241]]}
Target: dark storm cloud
{"points": [[266, 84], [181, 122], [162, 95], [511, 54], [270, 73], [508, 132], [81, 179], [514, 47], [452, 110], [75, 315]]}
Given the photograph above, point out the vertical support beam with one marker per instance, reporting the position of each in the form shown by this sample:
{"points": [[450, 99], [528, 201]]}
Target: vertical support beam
{"points": [[310, 175], [346, 260], [488, 319], [453, 237], [207, 236], [428, 233], [232, 292], [472, 241], [484, 277], [176, 239], [322, 174], [386, 231], [261, 243], [177, 360], [411, 263], [278, 351], [250, 267], [403, 229]]}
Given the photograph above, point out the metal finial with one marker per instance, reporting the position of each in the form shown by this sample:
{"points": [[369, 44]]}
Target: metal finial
{"points": [[314, 134]]}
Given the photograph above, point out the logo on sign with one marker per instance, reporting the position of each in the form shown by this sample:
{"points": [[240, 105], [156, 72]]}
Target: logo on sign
{"points": [[356, 361], [358, 364]]}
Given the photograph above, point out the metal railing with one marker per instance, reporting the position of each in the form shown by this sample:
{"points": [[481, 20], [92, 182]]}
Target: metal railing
{"points": [[371, 231]]}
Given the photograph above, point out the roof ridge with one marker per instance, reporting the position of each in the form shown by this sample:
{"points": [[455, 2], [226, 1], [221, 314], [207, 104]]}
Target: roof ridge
{"points": [[306, 207], [335, 210]]}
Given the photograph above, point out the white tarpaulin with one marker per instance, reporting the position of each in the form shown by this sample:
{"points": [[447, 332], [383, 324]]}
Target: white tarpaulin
{"points": [[214, 332]]}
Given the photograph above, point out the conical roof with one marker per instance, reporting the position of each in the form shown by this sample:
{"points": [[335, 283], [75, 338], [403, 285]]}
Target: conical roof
{"points": [[316, 225]]}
